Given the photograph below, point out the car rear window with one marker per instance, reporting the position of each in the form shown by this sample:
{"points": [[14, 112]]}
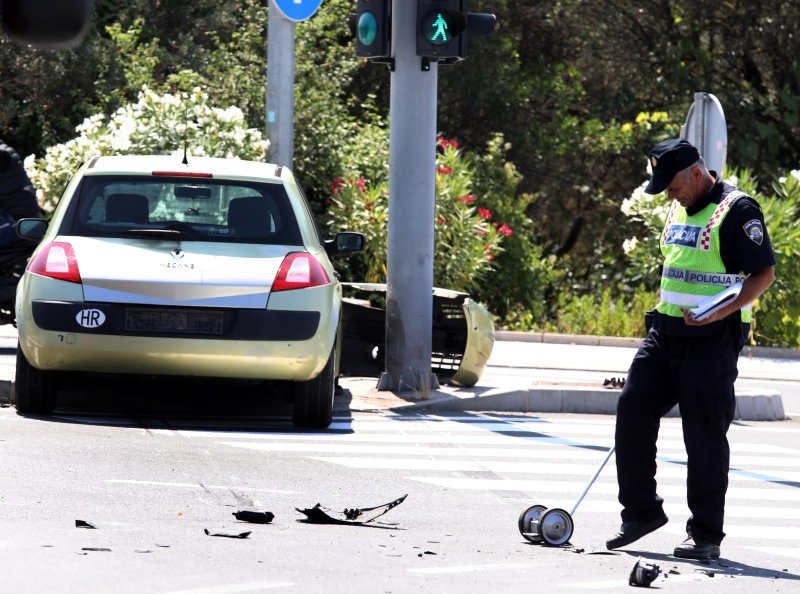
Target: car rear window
{"points": [[183, 208]]}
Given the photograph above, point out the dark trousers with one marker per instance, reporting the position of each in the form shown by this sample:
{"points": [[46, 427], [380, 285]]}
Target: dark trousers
{"points": [[696, 373]]}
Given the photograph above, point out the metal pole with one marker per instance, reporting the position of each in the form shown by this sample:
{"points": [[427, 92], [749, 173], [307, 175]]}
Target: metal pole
{"points": [[280, 87], [412, 177]]}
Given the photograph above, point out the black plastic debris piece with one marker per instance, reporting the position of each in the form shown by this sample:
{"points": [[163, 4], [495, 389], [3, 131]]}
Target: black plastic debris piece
{"points": [[84, 524], [142, 551], [227, 535], [425, 553], [614, 382], [254, 517], [162, 546], [356, 516], [643, 574], [96, 549]]}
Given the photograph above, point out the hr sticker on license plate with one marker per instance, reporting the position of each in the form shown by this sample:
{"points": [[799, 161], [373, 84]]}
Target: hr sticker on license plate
{"points": [[173, 321]]}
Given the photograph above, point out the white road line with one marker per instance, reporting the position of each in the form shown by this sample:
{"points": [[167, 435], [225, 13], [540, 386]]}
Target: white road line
{"points": [[737, 462], [774, 493], [739, 532], [192, 486], [676, 508], [793, 553], [665, 469], [452, 569], [519, 440], [233, 588]]}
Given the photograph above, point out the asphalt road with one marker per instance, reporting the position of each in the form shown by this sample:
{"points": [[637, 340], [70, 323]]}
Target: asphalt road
{"points": [[153, 484]]}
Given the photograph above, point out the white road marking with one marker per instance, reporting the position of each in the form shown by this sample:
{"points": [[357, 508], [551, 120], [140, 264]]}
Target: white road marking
{"points": [[793, 553], [192, 486], [665, 469], [233, 588], [473, 568], [477, 452], [546, 485]]}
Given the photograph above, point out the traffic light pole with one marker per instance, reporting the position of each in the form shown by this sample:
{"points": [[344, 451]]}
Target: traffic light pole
{"points": [[280, 87], [412, 177]]}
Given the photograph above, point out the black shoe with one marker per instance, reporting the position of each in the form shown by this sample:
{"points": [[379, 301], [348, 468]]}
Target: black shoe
{"points": [[691, 549], [633, 531]]}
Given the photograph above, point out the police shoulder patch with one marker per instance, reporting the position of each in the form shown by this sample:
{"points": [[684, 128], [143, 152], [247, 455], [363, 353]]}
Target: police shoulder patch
{"points": [[755, 231]]}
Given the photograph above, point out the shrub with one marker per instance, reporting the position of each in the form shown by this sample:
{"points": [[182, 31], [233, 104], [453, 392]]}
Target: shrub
{"points": [[155, 124]]}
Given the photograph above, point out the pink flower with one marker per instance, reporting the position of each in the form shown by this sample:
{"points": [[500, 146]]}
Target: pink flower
{"points": [[466, 199], [444, 170], [440, 220], [505, 230], [485, 213]]}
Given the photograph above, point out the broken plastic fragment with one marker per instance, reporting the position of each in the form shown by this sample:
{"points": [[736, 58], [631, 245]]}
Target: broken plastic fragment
{"points": [[84, 524], [323, 515], [225, 535], [96, 549], [254, 517]]}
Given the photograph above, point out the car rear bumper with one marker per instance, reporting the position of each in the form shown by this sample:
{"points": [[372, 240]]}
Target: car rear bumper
{"points": [[252, 344]]}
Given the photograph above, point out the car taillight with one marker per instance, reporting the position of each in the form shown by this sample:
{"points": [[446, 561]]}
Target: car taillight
{"points": [[300, 270], [56, 260]]}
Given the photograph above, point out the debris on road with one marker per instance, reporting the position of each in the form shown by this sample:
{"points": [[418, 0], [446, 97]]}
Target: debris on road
{"points": [[96, 549], [356, 516], [614, 382], [84, 524], [643, 573], [227, 535], [254, 517]]}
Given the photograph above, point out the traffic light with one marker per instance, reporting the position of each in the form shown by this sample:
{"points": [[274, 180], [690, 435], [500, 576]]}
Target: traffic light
{"points": [[47, 24], [443, 27], [371, 25]]}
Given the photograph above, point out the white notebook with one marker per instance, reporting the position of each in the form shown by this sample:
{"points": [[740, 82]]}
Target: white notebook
{"points": [[711, 304]]}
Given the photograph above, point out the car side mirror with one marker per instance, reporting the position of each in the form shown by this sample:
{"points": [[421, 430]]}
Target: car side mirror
{"points": [[347, 242], [33, 229]]}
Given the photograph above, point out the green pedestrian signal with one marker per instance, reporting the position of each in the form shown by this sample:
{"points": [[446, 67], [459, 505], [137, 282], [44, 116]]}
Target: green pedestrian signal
{"points": [[440, 27]]}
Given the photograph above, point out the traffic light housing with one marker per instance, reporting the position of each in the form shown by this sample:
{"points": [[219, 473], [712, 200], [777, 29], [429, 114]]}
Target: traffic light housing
{"points": [[443, 27], [47, 24], [371, 25]]}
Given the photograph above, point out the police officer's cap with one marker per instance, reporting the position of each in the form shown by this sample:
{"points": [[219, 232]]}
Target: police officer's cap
{"points": [[668, 158]]}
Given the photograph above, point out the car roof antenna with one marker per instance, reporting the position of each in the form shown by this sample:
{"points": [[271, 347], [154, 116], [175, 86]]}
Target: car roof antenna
{"points": [[185, 128]]}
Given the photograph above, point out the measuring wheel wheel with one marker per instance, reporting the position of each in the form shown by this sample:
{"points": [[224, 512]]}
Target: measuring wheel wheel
{"points": [[555, 527], [528, 521]]}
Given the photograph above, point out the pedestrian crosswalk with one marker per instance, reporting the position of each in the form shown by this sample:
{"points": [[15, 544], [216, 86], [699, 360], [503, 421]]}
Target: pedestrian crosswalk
{"points": [[553, 457]]}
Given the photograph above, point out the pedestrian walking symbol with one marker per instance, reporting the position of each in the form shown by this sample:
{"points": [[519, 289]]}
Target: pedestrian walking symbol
{"points": [[440, 25]]}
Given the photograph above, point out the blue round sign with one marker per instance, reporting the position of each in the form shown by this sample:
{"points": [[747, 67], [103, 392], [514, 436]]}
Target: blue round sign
{"points": [[298, 10]]}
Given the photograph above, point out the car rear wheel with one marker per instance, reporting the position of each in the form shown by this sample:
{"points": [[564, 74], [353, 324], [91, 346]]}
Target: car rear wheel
{"points": [[313, 400], [35, 389]]}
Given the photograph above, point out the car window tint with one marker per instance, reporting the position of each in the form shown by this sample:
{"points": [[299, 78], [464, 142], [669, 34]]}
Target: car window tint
{"points": [[207, 210]]}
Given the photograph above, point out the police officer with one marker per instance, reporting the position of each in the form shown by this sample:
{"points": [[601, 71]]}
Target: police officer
{"points": [[17, 196], [714, 236]]}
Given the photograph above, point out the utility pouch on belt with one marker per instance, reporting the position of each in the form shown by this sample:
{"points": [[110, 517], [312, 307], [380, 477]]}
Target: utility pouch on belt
{"points": [[648, 319]]}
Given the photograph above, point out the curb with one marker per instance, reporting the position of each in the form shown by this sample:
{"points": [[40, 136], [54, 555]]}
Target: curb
{"points": [[631, 342], [750, 406]]}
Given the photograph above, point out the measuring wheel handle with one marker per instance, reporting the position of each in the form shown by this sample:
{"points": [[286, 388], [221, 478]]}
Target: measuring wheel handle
{"points": [[555, 527], [528, 522]]}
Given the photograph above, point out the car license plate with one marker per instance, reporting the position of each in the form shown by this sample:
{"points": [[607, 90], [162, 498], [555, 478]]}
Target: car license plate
{"points": [[173, 321]]}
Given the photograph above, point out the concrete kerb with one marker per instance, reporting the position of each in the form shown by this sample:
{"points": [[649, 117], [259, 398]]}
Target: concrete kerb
{"points": [[750, 406]]}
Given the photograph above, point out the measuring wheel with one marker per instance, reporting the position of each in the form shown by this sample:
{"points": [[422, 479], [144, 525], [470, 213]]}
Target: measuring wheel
{"points": [[528, 521], [555, 527]]}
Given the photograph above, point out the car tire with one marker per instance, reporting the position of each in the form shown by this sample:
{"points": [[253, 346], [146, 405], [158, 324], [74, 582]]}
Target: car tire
{"points": [[35, 390], [313, 400]]}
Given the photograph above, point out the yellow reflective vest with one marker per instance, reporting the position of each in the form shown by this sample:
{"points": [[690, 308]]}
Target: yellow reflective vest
{"points": [[693, 266]]}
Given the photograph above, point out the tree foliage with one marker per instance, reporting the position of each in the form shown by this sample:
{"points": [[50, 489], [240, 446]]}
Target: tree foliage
{"points": [[558, 108]]}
